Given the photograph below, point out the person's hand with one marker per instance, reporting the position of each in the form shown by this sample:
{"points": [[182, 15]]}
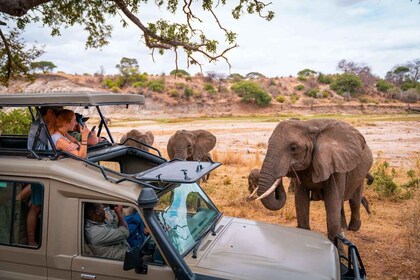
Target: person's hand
{"points": [[119, 210], [85, 132], [71, 147]]}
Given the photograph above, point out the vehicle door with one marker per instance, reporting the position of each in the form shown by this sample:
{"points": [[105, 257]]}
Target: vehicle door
{"points": [[23, 227], [87, 265]]}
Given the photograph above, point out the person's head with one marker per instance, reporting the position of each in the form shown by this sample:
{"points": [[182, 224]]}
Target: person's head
{"points": [[49, 113], [95, 212], [65, 120]]}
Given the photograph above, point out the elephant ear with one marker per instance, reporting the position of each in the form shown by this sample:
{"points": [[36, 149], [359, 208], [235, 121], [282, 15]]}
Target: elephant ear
{"points": [[338, 148], [150, 138], [204, 143], [170, 147], [123, 138]]}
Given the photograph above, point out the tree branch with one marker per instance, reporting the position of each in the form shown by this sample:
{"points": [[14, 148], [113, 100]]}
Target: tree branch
{"points": [[19, 8], [9, 55]]}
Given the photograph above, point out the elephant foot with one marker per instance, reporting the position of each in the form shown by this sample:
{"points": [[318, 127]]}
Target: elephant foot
{"points": [[354, 225]]}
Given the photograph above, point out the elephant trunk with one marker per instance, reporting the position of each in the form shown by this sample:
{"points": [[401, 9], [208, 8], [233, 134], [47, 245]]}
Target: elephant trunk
{"points": [[180, 153], [277, 198]]}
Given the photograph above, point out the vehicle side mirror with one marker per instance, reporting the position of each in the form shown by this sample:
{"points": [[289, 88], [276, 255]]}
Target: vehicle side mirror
{"points": [[134, 260]]}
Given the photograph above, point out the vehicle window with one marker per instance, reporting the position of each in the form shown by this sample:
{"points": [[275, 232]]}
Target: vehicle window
{"points": [[15, 121], [21, 213], [105, 237], [185, 213], [113, 165]]}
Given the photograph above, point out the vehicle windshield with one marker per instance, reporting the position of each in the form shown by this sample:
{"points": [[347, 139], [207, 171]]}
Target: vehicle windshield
{"points": [[186, 214]]}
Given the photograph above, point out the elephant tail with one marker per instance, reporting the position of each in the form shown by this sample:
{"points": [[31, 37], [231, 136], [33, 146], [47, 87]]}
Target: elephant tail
{"points": [[365, 203]]}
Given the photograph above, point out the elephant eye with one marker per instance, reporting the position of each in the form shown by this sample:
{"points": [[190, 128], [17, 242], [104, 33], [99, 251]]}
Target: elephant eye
{"points": [[293, 147]]}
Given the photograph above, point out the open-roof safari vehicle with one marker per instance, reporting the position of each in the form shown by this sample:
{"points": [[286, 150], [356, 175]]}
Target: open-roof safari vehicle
{"points": [[189, 236]]}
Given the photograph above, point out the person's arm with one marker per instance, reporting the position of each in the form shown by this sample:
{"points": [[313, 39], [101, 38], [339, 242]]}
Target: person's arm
{"points": [[119, 210]]}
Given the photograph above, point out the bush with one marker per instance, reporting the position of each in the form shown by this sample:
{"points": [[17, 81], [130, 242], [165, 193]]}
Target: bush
{"points": [[139, 84], [300, 87], [383, 85], [293, 98], [346, 83], [156, 85], [410, 96], [325, 93], [384, 183], [250, 91], [188, 92], [409, 85], [363, 99], [302, 79], [312, 92], [17, 121], [179, 73], [111, 83], [280, 98], [138, 78], [209, 88], [324, 79], [173, 93]]}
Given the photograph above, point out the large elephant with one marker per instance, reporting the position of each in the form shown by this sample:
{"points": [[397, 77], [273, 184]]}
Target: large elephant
{"points": [[254, 176], [327, 157], [147, 138]]}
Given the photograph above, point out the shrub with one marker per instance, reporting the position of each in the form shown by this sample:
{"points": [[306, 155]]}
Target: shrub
{"points": [[138, 78], [157, 85], [312, 92], [306, 73], [280, 98], [197, 94], [301, 78], [300, 87], [324, 79], [383, 85], [17, 121], [346, 83], [409, 85], [250, 91], [363, 99], [188, 79], [179, 71], [180, 85], [410, 96], [173, 93], [293, 98], [139, 84], [209, 88], [115, 89], [384, 183], [188, 92], [325, 93]]}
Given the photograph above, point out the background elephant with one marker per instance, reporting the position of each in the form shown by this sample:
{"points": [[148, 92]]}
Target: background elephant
{"points": [[254, 175], [192, 145], [326, 157], [147, 138]]}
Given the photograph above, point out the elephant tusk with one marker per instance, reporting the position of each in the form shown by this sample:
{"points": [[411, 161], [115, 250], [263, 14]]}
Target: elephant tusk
{"points": [[253, 193], [270, 190]]}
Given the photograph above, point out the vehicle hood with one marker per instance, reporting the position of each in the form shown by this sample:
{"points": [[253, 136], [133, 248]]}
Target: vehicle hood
{"points": [[247, 249]]}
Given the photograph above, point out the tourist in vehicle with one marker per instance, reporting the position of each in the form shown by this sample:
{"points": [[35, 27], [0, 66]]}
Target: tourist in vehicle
{"points": [[76, 131], [48, 114], [136, 227], [106, 239], [64, 123]]}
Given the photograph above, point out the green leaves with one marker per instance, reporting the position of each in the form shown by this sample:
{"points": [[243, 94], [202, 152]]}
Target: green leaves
{"points": [[252, 92]]}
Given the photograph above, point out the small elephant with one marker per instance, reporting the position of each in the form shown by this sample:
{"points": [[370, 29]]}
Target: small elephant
{"points": [[194, 145], [146, 138], [253, 185], [326, 156], [191, 145]]}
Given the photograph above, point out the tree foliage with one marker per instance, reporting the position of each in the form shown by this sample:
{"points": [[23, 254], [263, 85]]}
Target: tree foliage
{"points": [[363, 71], [160, 35], [44, 66], [306, 73], [17, 121], [346, 83], [15, 57], [254, 75], [408, 72], [128, 67], [252, 92]]}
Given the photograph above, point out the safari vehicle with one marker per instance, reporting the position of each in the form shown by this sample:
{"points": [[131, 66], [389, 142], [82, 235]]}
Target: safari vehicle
{"points": [[189, 237]]}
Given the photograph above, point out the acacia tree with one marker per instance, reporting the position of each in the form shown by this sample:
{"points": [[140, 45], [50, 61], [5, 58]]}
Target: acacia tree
{"points": [[158, 36], [15, 57], [44, 66]]}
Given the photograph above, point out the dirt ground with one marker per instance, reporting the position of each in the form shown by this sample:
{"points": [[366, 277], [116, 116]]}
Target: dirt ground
{"points": [[389, 238]]}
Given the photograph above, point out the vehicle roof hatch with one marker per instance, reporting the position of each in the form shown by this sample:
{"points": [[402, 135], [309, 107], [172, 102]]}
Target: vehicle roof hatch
{"points": [[178, 171]]}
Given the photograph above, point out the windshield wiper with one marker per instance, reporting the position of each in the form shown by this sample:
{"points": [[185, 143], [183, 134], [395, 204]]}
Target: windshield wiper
{"points": [[213, 233]]}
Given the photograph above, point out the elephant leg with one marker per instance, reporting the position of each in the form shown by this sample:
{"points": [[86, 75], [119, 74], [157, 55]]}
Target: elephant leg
{"points": [[343, 217], [333, 199], [355, 201], [302, 207]]}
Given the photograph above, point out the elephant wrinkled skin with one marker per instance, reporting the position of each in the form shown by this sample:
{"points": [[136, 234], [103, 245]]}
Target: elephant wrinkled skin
{"points": [[147, 138], [327, 157]]}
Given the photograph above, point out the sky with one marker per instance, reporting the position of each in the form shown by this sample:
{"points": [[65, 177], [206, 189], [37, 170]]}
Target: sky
{"points": [[314, 34]]}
